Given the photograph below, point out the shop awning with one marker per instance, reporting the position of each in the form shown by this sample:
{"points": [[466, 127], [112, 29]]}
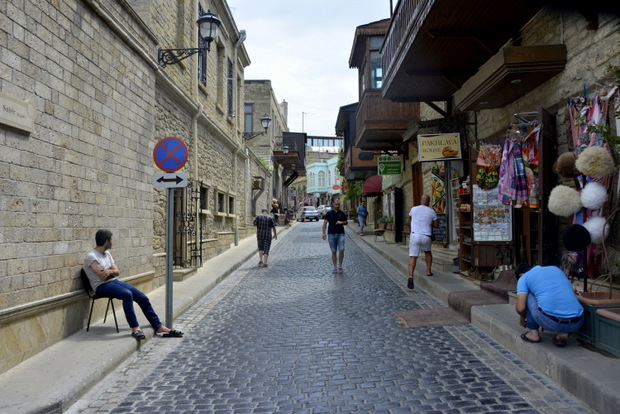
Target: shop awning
{"points": [[372, 186]]}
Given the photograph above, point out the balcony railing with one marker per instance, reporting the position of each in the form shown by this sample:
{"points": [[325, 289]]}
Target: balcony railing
{"points": [[406, 22], [376, 115]]}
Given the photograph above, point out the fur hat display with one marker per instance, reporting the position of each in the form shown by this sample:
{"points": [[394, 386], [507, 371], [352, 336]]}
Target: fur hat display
{"points": [[597, 229], [576, 238], [595, 162], [564, 201], [594, 196], [565, 165]]}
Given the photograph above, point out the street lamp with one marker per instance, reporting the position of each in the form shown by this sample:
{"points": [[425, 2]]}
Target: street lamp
{"points": [[285, 149], [208, 25], [265, 121]]}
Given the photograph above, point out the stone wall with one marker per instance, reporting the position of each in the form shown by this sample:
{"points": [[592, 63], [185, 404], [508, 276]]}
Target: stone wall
{"points": [[87, 165], [90, 69]]}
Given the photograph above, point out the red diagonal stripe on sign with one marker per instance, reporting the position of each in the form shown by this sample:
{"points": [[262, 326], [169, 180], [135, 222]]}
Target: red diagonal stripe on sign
{"points": [[170, 154]]}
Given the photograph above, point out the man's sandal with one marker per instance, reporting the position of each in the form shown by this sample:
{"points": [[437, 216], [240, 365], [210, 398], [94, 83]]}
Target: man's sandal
{"points": [[173, 334]]}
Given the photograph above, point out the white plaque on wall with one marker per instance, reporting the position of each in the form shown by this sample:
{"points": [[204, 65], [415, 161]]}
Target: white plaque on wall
{"points": [[17, 113]]}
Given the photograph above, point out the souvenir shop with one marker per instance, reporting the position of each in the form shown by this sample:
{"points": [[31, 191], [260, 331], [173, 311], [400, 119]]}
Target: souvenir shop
{"points": [[523, 201]]}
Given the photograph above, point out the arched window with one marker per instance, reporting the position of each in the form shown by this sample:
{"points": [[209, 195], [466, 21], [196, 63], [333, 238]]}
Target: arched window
{"points": [[329, 178], [321, 178]]}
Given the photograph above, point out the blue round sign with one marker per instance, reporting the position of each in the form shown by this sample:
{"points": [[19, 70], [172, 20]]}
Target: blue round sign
{"points": [[170, 154]]}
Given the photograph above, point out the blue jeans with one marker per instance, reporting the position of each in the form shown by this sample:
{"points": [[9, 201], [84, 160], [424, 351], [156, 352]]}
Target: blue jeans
{"points": [[536, 319], [336, 242], [129, 294]]}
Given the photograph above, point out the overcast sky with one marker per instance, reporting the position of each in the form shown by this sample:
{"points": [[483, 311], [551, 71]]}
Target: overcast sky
{"points": [[303, 47]]}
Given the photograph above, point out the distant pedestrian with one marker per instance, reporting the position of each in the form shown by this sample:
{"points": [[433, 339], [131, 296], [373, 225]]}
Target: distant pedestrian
{"points": [[265, 225], [103, 274], [362, 212], [545, 298], [275, 210], [335, 220], [423, 219]]}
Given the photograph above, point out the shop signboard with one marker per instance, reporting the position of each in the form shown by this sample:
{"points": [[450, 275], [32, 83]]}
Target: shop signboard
{"points": [[439, 147], [389, 164], [441, 232]]}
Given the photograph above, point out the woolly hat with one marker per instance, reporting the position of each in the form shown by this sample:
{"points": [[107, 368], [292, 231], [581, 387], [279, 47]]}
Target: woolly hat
{"points": [[565, 165], [564, 201], [595, 162], [594, 196], [576, 238], [597, 229]]}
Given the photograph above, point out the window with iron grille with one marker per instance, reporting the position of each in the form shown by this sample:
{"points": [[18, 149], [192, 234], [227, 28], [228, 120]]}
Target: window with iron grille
{"points": [[221, 203], [230, 88], [204, 197], [248, 109]]}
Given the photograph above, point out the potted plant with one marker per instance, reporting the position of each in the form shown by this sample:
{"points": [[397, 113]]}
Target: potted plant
{"points": [[382, 220], [407, 226], [389, 222]]}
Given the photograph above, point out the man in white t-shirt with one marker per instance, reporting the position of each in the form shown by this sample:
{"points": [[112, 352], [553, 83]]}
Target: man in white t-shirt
{"points": [[423, 219], [103, 275]]}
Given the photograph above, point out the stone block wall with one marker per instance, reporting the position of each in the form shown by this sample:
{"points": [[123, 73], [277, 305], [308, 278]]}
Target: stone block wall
{"points": [[87, 165], [90, 69]]}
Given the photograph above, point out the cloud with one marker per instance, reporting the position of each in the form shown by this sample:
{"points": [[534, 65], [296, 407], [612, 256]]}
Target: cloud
{"points": [[303, 47]]}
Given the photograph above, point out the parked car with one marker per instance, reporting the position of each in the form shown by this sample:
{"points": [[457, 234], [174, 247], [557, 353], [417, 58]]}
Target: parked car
{"points": [[323, 210], [309, 213]]}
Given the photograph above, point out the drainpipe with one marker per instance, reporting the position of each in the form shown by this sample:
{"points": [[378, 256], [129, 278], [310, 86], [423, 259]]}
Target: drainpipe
{"points": [[238, 43]]}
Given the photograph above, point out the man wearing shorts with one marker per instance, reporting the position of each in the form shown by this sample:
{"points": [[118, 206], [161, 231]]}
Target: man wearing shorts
{"points": [[334, 223], [423, 219], [265, 225]]}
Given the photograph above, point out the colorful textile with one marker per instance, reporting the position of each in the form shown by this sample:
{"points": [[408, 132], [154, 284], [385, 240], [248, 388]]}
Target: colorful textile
{"points": [[489, 155]]}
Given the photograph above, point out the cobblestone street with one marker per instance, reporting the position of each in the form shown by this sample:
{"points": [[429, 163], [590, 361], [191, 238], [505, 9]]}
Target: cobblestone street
{"points": [[294, 337]]}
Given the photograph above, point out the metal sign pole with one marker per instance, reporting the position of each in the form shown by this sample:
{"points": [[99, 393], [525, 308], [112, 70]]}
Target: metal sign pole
{"points": [[170, 155], [169, 253]]}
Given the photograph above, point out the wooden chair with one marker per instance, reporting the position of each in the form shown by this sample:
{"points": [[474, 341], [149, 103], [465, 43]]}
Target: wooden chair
{"points": [[94, 296]]}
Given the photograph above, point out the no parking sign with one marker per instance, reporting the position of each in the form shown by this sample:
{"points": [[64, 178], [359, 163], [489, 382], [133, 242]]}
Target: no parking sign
{"points": [[170, 154]]}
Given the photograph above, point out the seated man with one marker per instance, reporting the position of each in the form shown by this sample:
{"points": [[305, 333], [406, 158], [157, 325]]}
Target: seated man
{"points": [[103, 272], [545, 298]]}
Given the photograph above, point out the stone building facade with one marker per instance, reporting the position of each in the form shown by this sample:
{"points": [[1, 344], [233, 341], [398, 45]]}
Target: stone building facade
{"points": [[592, 44], [260, 100], [86, 74]]}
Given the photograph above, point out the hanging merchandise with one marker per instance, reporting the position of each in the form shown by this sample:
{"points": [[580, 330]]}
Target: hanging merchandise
{"points": [[518, 173], [489, 159], [594, 164]]}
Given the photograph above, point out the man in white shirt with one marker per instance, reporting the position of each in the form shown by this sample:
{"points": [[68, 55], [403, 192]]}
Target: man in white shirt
{"points": [[103, 275], [423, 219]]}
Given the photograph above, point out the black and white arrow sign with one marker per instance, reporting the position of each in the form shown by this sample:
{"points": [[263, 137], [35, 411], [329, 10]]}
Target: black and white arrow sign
{"points": [[170, 180]]}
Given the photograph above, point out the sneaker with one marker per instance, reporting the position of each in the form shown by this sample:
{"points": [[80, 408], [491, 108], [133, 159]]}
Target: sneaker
{"points": [[410, 283]]}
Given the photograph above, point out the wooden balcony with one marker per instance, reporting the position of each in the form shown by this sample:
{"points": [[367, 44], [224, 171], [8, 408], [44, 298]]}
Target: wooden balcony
{"points": [[359, 164], [432, 47], [381, 123]]}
